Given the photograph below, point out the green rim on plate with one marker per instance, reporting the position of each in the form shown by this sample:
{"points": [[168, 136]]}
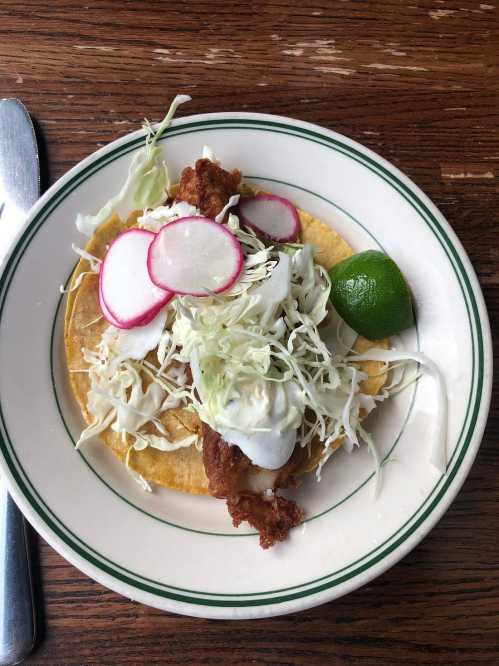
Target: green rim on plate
{"points": [[382, 551]]}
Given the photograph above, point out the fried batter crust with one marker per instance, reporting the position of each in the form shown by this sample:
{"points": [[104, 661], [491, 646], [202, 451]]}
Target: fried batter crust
{"points": [[225, 466], [207, 186], [272, 517], [227, 469]]}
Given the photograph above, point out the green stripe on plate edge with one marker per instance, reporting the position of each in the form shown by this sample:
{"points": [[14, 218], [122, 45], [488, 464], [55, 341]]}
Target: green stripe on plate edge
{"points": [[126, 148]]}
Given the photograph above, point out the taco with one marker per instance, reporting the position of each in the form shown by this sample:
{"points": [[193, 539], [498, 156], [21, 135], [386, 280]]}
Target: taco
{"points": [[175, 448], [232, 391]]}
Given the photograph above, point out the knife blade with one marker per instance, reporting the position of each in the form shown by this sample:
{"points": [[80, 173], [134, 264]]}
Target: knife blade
{"points": [[19, 189], [19, 170]]}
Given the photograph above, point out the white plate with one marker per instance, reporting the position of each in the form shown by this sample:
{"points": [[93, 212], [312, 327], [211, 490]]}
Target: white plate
{"points": [[179, 552]]}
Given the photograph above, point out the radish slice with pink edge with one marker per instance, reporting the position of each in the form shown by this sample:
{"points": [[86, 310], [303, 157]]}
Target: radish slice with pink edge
{"points": [[270, 215], [127, 296], [107, 315], [195, 256]]}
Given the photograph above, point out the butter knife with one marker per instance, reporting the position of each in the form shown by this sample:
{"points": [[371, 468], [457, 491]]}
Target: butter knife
{"points": [[19, 189]]}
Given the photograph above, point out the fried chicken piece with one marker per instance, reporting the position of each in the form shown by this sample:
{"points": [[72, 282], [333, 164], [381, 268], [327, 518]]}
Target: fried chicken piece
{"points": [[272, 517], [207, 186], [225, 466], [230, 473]]}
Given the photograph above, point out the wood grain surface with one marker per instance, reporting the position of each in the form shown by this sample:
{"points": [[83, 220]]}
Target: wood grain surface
{"points": [[416, 81]]}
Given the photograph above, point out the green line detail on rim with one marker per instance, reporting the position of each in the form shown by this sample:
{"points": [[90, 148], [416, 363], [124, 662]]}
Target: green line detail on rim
{"points": [[227, 534], [452, 472]]}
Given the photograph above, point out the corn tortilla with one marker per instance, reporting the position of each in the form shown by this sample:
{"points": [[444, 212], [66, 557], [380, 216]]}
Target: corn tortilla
{"points": [[183, 469]]}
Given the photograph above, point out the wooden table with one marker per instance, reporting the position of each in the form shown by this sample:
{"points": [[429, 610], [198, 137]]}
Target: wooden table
{"points": [[415, 81]]}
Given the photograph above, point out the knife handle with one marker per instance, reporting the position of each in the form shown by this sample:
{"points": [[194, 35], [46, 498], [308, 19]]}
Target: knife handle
{"points": [[17, 614]]}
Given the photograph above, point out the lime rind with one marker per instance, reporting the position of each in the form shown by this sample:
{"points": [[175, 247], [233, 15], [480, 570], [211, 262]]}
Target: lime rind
{"points": [[370, 293]]}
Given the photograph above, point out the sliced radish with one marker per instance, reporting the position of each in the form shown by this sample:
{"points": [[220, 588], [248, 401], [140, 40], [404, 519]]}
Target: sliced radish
{"points": [[270, 215], [195, 256], [105, 311], [127, 296]]}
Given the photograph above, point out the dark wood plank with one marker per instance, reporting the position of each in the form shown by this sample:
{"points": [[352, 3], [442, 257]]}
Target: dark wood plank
{"points": [[417, 82]]}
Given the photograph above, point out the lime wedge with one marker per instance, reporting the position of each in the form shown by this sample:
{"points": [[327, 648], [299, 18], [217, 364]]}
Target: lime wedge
{"points": [[370, 293]]}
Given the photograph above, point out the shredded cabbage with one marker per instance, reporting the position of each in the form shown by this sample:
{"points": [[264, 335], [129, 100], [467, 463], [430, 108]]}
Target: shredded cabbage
{"points": [[154, 218], [94, 268], [438, 456], [147, 182], [243, 341], [264, 375], [77, 283], [117, 395], [233, 201], [94, 262], [142, 441], [241, 345]]}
